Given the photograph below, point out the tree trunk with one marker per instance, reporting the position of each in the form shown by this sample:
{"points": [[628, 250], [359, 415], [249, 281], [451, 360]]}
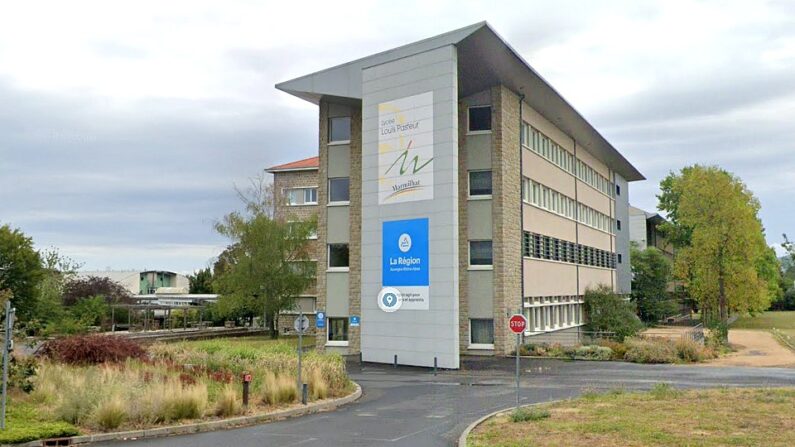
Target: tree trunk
{"points": [[724, 311], [273, 326]]}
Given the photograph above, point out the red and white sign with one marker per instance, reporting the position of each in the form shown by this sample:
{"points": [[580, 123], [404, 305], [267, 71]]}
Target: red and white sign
{"points": [[246, 377], [517, 323]]}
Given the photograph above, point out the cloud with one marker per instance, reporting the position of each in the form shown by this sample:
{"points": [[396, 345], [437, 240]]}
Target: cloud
{"points": [[124, 126]]}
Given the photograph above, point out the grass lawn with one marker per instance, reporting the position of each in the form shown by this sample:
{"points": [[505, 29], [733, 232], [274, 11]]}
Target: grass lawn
{"points": [[260, 341], [779, 319], [662, 417]]}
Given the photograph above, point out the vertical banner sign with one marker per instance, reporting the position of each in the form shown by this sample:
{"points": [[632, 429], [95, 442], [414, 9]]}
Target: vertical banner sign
{"points": [[405, 261], [405, 149]]}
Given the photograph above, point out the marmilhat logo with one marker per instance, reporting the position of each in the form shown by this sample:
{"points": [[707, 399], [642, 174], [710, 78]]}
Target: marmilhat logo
{"points": [[390, 299]]}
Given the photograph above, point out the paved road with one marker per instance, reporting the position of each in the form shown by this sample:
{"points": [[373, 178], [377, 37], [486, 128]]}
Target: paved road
{"points": [[411, 407]]}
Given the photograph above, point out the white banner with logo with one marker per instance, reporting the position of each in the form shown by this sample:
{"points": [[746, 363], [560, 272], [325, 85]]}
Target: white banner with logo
{"points": [[405, 149]]}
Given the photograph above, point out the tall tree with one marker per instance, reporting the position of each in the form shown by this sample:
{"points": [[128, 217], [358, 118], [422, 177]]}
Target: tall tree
{"points": [[714, 223], [651, 273], [57, 271], [20, 270], [268, 263], [201, 281]]}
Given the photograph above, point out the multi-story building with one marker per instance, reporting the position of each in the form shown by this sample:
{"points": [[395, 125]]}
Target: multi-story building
{"points": [[644, 230], [455, 187], [142, 282], [295, 184]]}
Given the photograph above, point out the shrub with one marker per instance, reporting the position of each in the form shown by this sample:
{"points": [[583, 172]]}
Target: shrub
{"points": [[618, 349], [278, 389], [653, 350], [110, 414], [525, 414], [609, 312], [22, 372], [594, 353], [91, 349], [228, 402], [691, 352]]}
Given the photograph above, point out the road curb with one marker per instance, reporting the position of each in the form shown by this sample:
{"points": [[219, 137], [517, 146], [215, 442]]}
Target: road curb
{"points": [[207, 426], [462, 440]]}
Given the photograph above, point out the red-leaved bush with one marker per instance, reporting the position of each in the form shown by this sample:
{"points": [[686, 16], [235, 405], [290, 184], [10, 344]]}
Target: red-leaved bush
{"points": [[91, 349]]}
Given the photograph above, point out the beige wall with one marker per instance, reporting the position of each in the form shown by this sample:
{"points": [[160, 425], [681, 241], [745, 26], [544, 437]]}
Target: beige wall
{"points": [[594, 276], [549, 278]]}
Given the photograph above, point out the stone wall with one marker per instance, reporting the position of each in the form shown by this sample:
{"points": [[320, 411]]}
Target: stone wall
{"points": [[506, 193]]}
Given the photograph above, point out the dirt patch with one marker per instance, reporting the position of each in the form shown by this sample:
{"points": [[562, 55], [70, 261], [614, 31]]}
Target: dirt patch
{"points": [[755, 348]]}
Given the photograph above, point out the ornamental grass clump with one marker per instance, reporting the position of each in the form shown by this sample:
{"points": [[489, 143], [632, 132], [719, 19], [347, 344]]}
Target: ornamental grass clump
{"points": [[110, 414], [278, 389], [228, 402]]}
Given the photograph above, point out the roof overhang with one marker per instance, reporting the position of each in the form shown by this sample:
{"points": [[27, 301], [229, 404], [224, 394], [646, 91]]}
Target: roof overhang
{"points": [[484, 59]]}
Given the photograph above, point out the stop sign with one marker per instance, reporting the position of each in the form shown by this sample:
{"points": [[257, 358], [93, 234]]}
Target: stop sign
{"points": [[517, 323]]}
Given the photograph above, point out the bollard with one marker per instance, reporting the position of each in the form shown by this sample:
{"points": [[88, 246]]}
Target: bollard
{"points": [[304, 392], [360, 359], [394, 365], [246, 383], [434, 366]]}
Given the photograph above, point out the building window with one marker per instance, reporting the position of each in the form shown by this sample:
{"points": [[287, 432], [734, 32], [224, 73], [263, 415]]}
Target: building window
{"points": [[481, 331], [480, 119], [618, 225], [619, 258], [618, 190], [339, 190], [480, 253], [338, 330], [339, 130], [338, 256], [301, 196], [479, 183]]}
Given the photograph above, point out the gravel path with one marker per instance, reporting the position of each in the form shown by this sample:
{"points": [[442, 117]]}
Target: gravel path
{"points": [[755, 348]]}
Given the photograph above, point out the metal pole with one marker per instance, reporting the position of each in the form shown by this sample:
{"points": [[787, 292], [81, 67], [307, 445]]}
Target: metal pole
{"points": [[300, 349], [112, 319], [6, 352], [517, 368]]}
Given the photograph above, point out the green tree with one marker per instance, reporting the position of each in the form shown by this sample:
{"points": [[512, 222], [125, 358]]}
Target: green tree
{"points": [[57, 270], [714, 223], [268, 263], [20, 271], [201, 281], [606, 311], [651, 273], [90, 311]]}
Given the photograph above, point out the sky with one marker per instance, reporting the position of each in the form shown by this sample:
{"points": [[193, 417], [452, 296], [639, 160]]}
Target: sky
{"points": [[125, 126]]}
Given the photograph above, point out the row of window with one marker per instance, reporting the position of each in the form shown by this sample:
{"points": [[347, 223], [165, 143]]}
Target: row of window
{"points": [[547, 198], [546, 247], [545, 147], [478, 120], [338, 192], [555, 316]]}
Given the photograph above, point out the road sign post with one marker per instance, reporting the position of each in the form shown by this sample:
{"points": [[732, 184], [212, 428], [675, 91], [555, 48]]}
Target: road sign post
{"points": [[8, 344], [301, 325], [517, 324]]}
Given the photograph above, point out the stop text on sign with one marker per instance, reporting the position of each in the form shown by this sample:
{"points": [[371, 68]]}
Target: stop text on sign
{"points": [[517, 323]]}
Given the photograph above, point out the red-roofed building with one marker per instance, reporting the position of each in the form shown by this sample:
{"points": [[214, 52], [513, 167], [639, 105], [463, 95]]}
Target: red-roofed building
{"points": [[307, 164], [297, 183]]}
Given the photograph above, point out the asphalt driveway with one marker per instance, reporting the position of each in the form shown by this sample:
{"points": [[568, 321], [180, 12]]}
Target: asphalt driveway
{"points": [[412, 407]]}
